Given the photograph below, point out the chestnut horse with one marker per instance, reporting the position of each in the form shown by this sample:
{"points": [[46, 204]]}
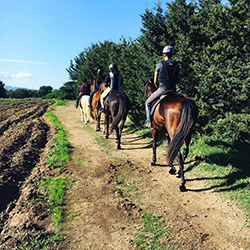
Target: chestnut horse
{"points": [[116, 106], [177, 115], [96, 105]]}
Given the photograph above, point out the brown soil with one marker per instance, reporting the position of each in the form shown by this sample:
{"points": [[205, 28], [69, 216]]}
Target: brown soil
{"points": [[99, 212]]}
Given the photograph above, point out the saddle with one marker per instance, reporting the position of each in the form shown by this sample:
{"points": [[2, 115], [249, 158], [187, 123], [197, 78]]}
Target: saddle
{"points": [[158, 100]]}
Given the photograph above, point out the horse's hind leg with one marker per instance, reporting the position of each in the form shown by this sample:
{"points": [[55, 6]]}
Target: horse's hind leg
{"points": [[106, 122], [154, 135], [118, 138], [182, 187], [186, 146], [119, 132], [81, 114]]}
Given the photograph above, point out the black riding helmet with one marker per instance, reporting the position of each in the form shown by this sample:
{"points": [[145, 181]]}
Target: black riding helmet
{"points": [[100, 71]]}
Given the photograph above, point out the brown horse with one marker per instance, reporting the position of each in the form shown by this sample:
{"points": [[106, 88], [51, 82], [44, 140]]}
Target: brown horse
{"points": [[177, 115], [116, 105], [96, 105]]}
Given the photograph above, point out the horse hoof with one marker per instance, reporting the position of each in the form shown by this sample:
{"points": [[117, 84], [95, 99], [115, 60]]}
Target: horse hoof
{"points": [[152, 163], [182, 188], [172, 171], [119, 147], [106, 136], [98, 129]]}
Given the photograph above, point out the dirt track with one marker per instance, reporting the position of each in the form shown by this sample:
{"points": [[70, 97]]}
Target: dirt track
{"points": [[197, 219], [99, 213]]}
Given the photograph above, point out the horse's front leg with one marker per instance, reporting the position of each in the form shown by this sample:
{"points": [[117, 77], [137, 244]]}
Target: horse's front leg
{"points": [[182, 187], [154, 135]]}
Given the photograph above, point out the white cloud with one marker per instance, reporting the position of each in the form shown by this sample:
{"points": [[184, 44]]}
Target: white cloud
{"points": [[6, 75], [21, 61]]}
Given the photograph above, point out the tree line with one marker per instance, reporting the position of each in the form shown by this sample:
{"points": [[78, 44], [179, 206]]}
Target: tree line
{"points": [[67, 91], [211, 41]]}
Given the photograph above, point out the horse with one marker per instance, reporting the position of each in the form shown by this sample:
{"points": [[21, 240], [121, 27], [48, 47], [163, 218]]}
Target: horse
{"points": [[116, 105], [96, 105], [177, 115], [86, 113]]}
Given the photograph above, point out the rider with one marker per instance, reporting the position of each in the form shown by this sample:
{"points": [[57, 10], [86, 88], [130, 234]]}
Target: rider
{"points": [[167, 73], [112, 81], [98, 82], [84, 90]]}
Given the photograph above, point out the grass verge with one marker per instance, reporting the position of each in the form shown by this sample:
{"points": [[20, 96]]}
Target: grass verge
{"points": [[60, 152], [53, 189], [225, 165]]}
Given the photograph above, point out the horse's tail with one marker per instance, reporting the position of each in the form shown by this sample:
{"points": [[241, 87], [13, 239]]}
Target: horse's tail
{"points": [[120, 113], [187, 121], [87, 108]]}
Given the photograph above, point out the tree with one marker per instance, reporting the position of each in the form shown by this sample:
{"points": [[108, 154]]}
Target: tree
{"points": [[68, 91], [44, 90], [20, 93], [185, 38], [3, 92]]}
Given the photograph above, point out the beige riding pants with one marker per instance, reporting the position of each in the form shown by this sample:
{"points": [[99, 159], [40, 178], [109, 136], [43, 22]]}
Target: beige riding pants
{"points": [[104, 94]]}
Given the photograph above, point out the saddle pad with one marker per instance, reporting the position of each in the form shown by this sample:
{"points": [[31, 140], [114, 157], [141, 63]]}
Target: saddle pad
{"points": [[155, 104]]}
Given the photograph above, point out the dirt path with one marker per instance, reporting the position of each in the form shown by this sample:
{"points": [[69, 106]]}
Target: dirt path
{"points": [[101, 216]]}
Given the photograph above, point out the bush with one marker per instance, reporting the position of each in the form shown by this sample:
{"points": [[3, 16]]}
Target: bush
{"points": [[234, 127]]}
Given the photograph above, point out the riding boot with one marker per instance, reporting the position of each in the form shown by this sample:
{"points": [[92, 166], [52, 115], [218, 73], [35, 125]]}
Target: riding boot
{"points": [[148, 116]]}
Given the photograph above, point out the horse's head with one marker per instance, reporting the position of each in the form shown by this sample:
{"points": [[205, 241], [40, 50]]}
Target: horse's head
{"points": [[149, 88]]}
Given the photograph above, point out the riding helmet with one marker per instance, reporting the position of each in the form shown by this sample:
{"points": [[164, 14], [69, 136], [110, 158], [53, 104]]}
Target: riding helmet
{"points": [[168, 49], [100, 71], [112, 66]]}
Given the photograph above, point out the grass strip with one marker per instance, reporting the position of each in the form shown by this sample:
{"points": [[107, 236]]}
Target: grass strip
{"points": [[54, 190], [60, 152]]}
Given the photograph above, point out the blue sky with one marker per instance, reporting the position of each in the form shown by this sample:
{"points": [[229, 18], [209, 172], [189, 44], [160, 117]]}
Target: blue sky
{"points": [[38, 38]]}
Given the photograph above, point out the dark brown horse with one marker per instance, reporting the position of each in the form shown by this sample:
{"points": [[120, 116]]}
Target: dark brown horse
{"points": [[177, 115], [96, 105], [116, 105]]}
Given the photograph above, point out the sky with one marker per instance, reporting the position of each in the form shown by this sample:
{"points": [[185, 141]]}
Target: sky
{"points": [[38, 38]]}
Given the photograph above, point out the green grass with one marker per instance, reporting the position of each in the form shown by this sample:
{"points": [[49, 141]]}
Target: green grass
{"points": [[225, 165], [54, 190], [58, 103], [60, 152], [151, 234], [80, 163]]}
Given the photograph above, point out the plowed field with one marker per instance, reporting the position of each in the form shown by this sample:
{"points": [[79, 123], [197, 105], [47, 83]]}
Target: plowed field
{"points": [[23, 137]]}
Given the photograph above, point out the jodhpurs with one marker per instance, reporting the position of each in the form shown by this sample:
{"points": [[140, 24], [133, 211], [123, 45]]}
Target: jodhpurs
{"points": [[104, 94]]}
